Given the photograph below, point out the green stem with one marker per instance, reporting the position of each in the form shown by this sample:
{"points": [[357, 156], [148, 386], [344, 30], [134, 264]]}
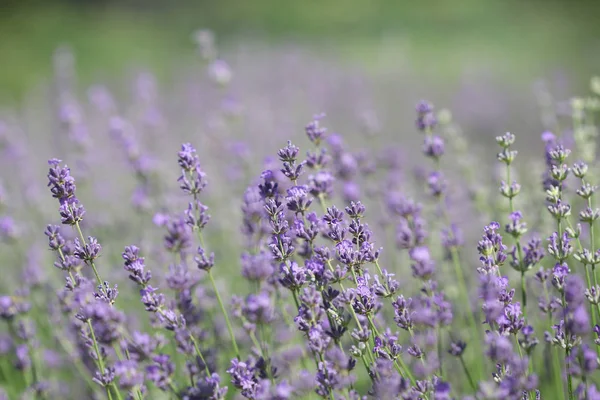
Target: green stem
{"points": [[398, 362], [595, 284], [471, 320], [331, 396], [83, 243], [99, 361], [524, 293], [569, 378], [264, 349], [469, 377], [592, 310], [558, 382], [199, 354], [225, 315]]}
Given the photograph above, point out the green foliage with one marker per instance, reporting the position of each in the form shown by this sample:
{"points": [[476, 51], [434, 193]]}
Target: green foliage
{"points": [[437, 37]]}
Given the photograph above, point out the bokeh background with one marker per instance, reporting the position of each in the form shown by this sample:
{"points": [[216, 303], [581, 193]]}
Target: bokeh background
{"points": [[515, 41]]}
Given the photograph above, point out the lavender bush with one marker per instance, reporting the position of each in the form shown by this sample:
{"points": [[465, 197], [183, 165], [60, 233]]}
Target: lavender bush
{"points": [[323, 272]]}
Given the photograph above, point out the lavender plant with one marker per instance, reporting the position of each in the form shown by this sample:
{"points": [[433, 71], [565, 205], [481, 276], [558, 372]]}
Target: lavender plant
{"points": [[326, 271]]}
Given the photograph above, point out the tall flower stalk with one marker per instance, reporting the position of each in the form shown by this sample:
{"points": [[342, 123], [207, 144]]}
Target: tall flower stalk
{"points": [[192, 181]]}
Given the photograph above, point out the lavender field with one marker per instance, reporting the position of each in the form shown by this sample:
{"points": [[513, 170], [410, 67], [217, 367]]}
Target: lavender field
{"points": [[277, 224]]}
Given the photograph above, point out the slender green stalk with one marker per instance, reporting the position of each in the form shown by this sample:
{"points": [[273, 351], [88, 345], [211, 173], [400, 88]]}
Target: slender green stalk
{"points": [[83, 243], [76, 361], [524, 293], [99, 360], [569, 378], [225, 314], [398, 362], [469, 377], [471, 320], [331, 396], [593, 251], [95, 343], [519, 249], [199, 354], [439, 349], [264, 349], [567, 363], [595, 284]]}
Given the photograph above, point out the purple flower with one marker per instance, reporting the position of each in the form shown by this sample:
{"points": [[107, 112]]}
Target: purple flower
{"points": [[452, 237], [55, 239], [87, 252], [426, 120], [512, 321], [533, 253], [135, 265], [298, 200], [8, 228], [178, 237], [321, 184], [61, 183], [491, 249], [436, 183], [364, 300], [315, 131], [442, 391], [289, 153], [257, 267], [423, 266], [202, 261], [258, 308], [160, 371], [192, 180], [243, 377], [23, 358], [128, 373], [8, 308], [71, 212], [433, 146], [292, 276]]}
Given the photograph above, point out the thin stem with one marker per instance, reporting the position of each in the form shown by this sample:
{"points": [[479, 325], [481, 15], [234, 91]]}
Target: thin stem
{"points": [[524, 293], [439, 349], [592, 310], [117, 392], [225, 315], [471, 320], [567, 354], [331, 396], [587, 274], [398, 362], [593, 251], [355, 316], [569, 378], [558, 383], [199, 354], [296, 299], [99, 360], [83, 242], [469, 377], [595, 284], [519, 250], [264, 349]]}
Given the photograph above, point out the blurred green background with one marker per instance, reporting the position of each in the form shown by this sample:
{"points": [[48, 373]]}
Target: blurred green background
{"points": [[519, 40]]}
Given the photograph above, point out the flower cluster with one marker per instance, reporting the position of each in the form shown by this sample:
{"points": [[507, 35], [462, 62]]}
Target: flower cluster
{"points": [[331, 273]]}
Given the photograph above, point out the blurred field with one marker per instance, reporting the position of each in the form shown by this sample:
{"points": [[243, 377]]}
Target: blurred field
{"points": [[365, 63], [515, 40]]}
